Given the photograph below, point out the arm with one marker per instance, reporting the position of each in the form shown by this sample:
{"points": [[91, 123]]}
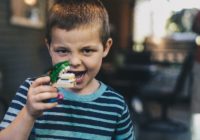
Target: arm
{"points": [[20, 128], [125, 126]]}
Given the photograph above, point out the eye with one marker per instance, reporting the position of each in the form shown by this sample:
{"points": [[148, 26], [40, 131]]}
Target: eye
{"points": [[62, 51], [88, 51]]}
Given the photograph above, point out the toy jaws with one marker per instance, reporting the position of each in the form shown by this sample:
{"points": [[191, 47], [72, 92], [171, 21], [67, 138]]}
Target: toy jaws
{"points": [[60, 77], [65, 80]]}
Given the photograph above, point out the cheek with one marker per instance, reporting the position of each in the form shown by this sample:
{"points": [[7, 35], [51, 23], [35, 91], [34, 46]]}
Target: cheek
{"points": [[55, 59], [95, 64]]}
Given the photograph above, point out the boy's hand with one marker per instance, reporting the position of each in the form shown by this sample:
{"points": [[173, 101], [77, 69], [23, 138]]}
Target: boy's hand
{"points": [[38, 92]]}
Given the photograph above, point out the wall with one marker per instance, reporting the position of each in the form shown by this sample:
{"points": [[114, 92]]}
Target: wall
{"points": [[22, 53], [121, 16]]}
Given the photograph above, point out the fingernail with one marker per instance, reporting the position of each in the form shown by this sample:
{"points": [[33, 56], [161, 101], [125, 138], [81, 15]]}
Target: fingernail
{"points": [[60, 96]]}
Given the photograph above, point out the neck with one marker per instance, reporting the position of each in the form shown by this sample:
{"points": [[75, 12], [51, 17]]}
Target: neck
{"points": [[89, 88]]}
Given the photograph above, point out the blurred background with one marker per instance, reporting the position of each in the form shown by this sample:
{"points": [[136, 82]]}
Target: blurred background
{"points": [[154, 61]]}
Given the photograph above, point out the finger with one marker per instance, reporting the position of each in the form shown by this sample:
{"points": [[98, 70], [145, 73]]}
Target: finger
{"points": [[41, 81], [44, 88], [44, 96], [45, 106]]}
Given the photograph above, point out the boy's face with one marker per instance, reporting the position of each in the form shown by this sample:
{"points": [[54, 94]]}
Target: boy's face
{"points": [[84, 50]]}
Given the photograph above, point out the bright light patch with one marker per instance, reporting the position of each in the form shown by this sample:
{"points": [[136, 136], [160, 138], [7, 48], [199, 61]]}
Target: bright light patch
{"points": [[30, 2], [198, 40]]}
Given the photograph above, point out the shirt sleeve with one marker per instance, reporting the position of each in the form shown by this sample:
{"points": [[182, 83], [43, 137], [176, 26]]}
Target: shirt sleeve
{"points": [[16, 105], [125, 129]]}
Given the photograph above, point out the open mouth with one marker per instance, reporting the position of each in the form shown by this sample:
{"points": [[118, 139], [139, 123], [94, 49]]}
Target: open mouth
{"points": [[79, 75]]}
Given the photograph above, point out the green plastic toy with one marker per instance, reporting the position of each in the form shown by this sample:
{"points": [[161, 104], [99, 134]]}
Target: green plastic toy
{"points": [[57, 68]]}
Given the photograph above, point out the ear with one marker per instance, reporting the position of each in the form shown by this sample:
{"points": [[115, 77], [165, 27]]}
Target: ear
{"points": [[107, 47]]}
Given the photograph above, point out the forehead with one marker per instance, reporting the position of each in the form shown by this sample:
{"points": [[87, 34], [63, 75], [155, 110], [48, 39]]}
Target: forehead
{"points": [[84, 29], [90, 26], [76, 37]]}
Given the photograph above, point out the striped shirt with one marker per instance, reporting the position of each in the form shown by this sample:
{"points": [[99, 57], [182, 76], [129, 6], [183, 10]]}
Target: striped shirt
{"points": [[103, 115]]}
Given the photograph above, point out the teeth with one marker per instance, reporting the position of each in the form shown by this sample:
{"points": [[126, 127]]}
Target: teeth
{"points": [[66, 80], [79, 75], [65, 70], [67, 76]]}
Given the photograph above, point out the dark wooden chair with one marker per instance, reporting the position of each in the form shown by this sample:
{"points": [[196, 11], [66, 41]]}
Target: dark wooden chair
{"points": [[167, 91]]}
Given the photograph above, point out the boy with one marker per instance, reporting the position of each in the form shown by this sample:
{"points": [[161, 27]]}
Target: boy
{"points": [[77, 32]]}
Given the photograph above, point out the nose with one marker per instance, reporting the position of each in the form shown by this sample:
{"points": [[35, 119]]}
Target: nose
{"points": [[74, 60]]}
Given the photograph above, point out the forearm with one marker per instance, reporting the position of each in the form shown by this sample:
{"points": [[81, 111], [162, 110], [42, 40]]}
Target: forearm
{"points": [[20, 128]]}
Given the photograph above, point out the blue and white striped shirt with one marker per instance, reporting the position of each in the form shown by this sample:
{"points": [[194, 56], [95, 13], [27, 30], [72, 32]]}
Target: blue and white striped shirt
{"points": [[103, 115]]}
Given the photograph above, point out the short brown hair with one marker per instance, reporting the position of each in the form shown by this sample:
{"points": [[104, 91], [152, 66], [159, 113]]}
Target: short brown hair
{"points": [[71, 14]]}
